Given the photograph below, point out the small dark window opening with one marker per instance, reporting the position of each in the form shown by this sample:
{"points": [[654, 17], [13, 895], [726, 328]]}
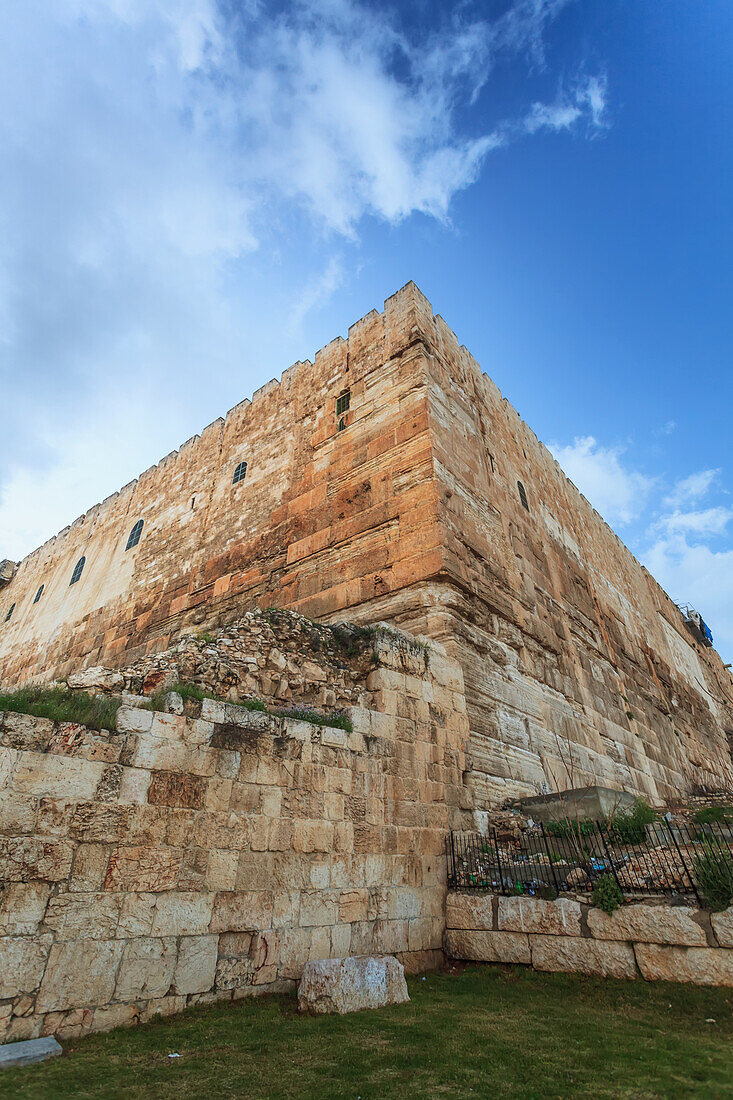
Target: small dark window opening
{"points": [[522, 495], [10, 612], [240, 473], [491, 460], [77, 571], [134, 536], [38, 594], [343, 402]]}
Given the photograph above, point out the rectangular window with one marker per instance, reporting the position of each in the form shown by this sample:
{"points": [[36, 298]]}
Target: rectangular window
{"points": [[343, 402]]}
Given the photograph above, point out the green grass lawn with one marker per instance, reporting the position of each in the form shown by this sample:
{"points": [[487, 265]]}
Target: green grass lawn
{"points": [[483, 1032]]}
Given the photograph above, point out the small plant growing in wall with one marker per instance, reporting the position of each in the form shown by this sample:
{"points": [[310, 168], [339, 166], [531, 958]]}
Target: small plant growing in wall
{"points": [[607, 894]]}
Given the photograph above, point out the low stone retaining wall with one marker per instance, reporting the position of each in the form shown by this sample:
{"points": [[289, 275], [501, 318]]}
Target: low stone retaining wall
{"points": [[674, 943], [188, 858]]}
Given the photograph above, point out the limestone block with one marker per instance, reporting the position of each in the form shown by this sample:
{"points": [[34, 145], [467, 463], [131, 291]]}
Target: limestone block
{"points": [[136, 918], [469, 911], [353, 905], [294, 951], [572, 954], [134, 720], [79, 972], [134, 785], [84, 916], [22, 961], [723, 927], [553, 918], [17, 812], [240, 910], [89, 868], [182, 914], [105, 1019], [97, 679], [507, 947], [221, 870], [25, 858], [143, 868], [318, 907], [40, 775], [168, 726], [648, 923], [22, 905], [196, 967], [177, 789], [351, 984], [234, 972], [699, 965], [24, 731], [146, 969]]}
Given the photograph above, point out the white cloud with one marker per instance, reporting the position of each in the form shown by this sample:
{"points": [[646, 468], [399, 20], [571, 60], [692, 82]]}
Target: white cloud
{"points": [[701, 577], [691, 488], [709, 521], [588, 100], [166, 164], [618, 492]]}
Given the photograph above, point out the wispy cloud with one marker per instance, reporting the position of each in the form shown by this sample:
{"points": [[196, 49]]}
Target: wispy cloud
{"points": [[691, 488], [615, 489], [709, 521], [588, 101], [164, 158]]}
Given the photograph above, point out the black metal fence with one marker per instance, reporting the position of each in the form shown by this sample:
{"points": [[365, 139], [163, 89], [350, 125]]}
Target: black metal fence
{"points": [[664, 858]]}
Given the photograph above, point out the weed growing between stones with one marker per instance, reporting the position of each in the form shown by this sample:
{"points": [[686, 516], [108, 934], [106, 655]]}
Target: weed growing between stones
{"points": [[607, 894], [98, 712], [336, 719]]}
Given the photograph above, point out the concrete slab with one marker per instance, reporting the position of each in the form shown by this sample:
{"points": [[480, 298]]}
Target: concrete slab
{"points": [[29, 1052], [587, 803]]}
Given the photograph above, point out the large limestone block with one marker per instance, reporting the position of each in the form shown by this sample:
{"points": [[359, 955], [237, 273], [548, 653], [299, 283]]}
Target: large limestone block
{"points": [[21, 964], [182, 914], [506, 947], [699, 965], [648, 923], [97, 679], [146, 969], [82, 916], [723, 927], [469, 911], [571, 954], [196, 967], [79, 973], [551, 918], [22, 905], [348, 985]]}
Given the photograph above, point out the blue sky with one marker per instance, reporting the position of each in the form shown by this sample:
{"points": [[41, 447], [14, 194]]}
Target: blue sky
{"points": [[196, 193]]}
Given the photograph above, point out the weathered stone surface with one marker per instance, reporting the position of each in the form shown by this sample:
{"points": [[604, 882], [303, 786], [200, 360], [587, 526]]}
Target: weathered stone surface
{"points": [[553, 918], [146, 969], [80, 972], [22, 906], [572, 954], [648, 923], [241, 910], [469, 911], [196, 966], [348, 985], [29, 1052], [699, 965], [505, 947], [97, 679], [723, 927], [22, 961]]}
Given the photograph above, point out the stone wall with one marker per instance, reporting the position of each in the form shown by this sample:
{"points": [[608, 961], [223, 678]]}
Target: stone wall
{"points": [[209, 855], [673, 943], [578, 667]]}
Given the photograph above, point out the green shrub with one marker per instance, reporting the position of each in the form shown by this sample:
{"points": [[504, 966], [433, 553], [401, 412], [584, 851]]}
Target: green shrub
{"points": [[99, 712], [714, 876], [629, 826], [713, 814], [566, 827], [607, 894], [336, 720]]}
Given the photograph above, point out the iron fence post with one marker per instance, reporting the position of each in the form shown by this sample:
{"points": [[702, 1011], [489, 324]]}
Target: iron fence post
{"points": [[687, 870], [549, 857], [608, 854], [498, 860]]}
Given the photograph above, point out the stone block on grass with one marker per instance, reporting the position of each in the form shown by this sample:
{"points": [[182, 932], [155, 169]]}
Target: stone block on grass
{"points": [[348, 985]]}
